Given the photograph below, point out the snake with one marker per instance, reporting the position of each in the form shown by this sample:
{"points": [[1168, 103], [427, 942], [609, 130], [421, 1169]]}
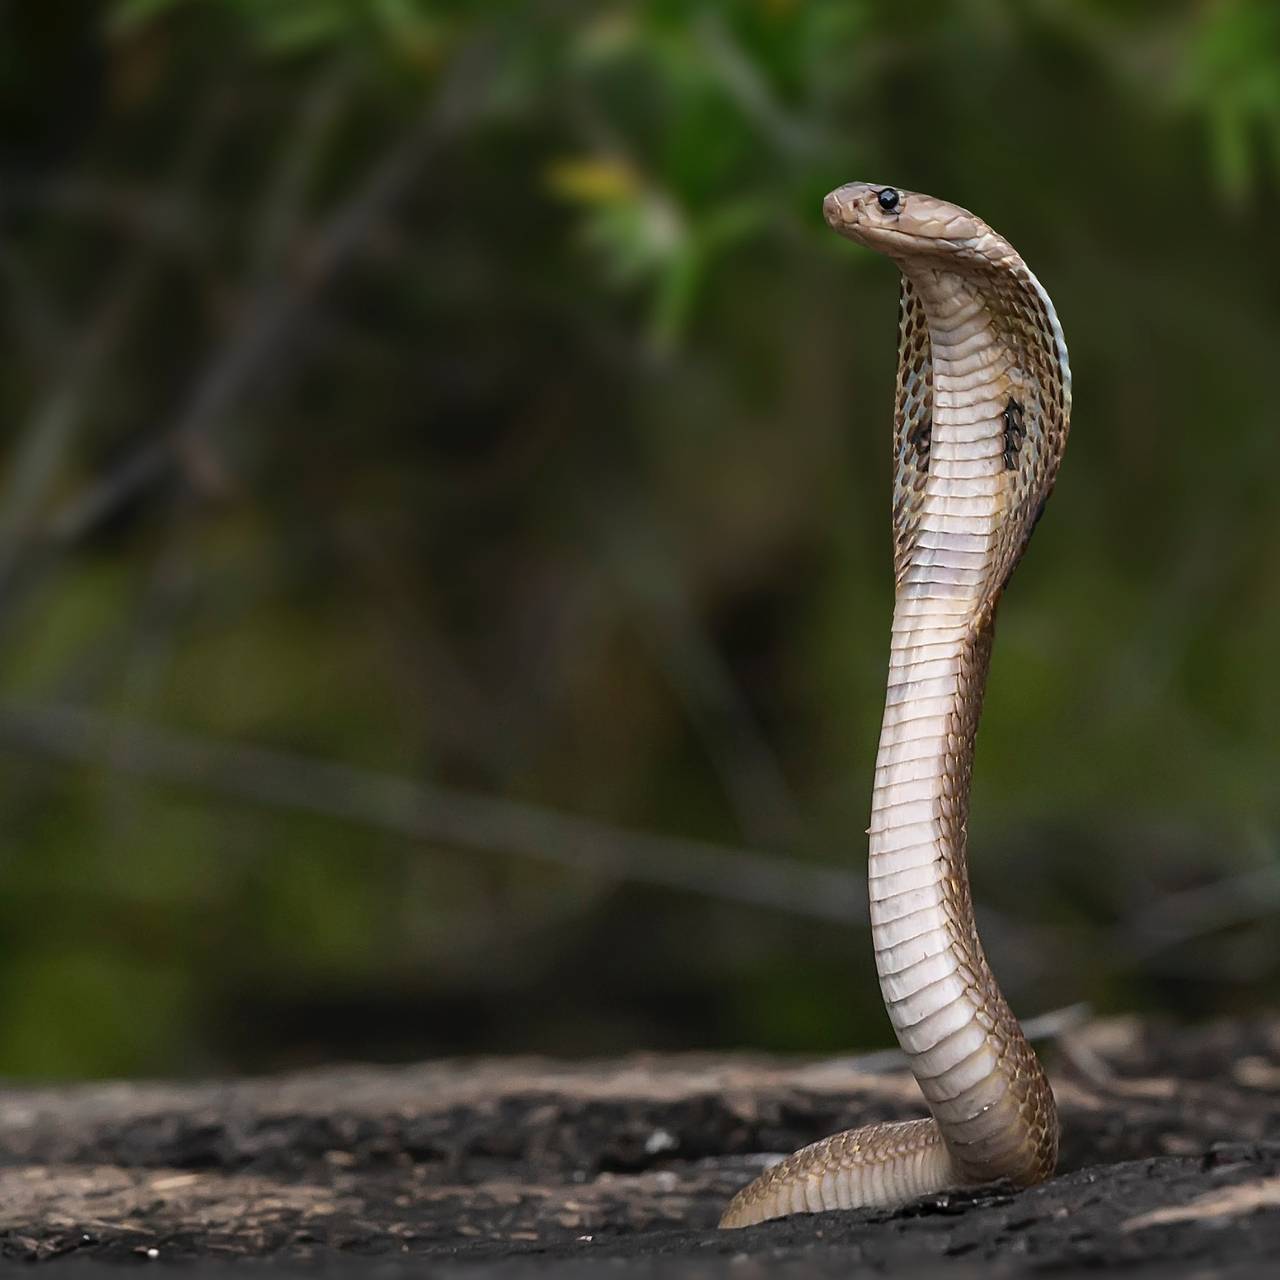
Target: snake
{"points": [[980, 422]]}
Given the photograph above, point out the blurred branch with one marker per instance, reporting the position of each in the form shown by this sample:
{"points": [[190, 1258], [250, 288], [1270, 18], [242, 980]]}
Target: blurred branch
{"points": [[156, 217], [273, 317], [33, 320], [44, 440], [75, 365], [302, 152], [483, 824], [737, 747], [746, 85], [1179, 918]]}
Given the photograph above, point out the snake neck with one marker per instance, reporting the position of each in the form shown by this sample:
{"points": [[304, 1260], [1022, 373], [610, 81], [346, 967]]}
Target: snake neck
{"points": [[979, 1076]]}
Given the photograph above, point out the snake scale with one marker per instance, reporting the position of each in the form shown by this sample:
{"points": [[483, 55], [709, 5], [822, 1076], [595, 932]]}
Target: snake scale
{"points": [[980, 423]]}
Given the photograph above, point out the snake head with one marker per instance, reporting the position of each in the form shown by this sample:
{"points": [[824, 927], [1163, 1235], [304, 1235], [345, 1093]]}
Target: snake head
{"points": [[899, 223]]}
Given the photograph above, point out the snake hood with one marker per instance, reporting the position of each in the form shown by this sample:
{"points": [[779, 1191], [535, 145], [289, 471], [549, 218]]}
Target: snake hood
{"points": [[931, 240]]}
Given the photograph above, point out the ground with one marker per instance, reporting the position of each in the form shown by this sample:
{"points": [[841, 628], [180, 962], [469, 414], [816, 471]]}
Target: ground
{"points": [[513, 1168]]}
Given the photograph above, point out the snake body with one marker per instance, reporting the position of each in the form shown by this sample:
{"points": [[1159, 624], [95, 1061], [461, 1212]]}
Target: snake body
{"points": [[980, 422]]}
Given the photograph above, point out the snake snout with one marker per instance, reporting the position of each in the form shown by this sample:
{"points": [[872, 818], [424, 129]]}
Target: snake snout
{"points": [[839, 205]]}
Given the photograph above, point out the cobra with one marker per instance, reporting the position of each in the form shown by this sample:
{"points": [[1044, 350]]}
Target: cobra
{"points": [[980, 422]]}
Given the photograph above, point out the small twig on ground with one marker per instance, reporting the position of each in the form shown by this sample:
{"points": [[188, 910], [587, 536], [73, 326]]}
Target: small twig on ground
{"points": [[1089, 1065], [1054, 1025]]}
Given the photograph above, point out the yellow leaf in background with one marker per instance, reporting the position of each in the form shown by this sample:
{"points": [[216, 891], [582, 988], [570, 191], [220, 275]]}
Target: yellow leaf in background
{"points": [[609, 34], [592, 180]]}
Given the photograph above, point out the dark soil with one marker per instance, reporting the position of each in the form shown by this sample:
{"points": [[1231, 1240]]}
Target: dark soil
{"points": [[1171, 1162]]}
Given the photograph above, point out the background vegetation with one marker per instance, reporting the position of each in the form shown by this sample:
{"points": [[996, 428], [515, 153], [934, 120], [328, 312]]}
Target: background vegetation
{"points": [[444, 532]]}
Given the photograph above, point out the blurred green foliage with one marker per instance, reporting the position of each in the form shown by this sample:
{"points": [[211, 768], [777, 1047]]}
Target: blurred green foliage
{"points": [[471, 392]]}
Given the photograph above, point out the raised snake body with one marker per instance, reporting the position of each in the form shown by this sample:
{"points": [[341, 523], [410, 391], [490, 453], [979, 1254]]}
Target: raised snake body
{"points": [[980, 422]]}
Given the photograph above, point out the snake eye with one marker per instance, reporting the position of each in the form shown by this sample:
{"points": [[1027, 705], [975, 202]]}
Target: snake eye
{"points": [[888, 199]]}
